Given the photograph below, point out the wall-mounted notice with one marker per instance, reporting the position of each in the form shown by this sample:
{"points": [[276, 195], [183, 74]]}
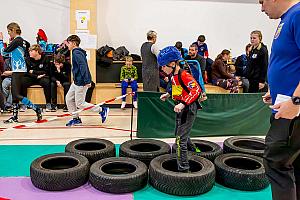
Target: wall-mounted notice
{"points": [[82, 18]]}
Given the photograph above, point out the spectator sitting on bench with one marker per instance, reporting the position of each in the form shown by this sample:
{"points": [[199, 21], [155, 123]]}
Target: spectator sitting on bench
{"points": [[60, 77], [129, 76], [220, 75], [38, 73]]}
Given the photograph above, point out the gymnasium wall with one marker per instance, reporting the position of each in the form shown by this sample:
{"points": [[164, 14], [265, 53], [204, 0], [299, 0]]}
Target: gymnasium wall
{"points": [[51, 15], [226, 23]]}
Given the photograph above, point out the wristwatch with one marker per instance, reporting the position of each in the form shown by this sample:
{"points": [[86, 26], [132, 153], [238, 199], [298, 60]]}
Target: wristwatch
{"points": [[296, 100]]}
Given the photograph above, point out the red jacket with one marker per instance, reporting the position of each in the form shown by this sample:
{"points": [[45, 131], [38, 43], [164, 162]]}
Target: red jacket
{"points": [[179, 94]]}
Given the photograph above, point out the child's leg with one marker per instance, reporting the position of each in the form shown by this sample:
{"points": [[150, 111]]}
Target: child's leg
{"points": [[80, 93], [124, 85], [134, 87], [70, 100]]}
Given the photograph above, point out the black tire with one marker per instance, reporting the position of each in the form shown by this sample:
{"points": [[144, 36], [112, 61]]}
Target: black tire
{"points": [[248, 145], [118, 175], [241, 171], [209, 150], [92, 148], [61, 171], [144, 149], [164, 176]]}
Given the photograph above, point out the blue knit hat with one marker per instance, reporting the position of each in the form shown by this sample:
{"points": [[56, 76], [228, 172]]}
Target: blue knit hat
{"points": [[167, 55]]}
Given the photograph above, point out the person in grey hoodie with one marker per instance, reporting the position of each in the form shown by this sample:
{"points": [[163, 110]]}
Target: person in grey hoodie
{"points": [[75, 97]]}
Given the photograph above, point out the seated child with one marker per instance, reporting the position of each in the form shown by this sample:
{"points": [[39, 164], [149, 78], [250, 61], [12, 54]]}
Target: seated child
{"points": [[129, 76]]}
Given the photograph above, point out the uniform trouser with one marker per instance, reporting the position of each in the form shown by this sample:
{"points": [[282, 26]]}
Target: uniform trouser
{"points": [[253, 86], [44, 82], [281, 158], [75, 98], [184, 123], [134, 87], [66, 86]]}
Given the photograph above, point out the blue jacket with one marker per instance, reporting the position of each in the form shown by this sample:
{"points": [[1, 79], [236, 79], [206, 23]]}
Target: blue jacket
{"points": [[17, 50], [80, 69]]}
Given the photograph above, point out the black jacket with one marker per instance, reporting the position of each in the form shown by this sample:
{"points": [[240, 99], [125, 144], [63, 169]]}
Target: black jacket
{"points": [[80, 69], [64, 75], [39, 67], [258, 64]]}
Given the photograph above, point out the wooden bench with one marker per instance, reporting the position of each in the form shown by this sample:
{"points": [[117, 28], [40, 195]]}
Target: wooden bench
{"points": [[36, 94], [104, 91]]}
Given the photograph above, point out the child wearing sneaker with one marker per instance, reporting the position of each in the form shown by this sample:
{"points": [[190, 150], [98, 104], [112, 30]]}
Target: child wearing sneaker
{"points": [[75, 97], [128, 76]]}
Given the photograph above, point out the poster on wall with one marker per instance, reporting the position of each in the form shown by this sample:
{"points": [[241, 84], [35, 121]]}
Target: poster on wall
{"points": [[82, 18]]}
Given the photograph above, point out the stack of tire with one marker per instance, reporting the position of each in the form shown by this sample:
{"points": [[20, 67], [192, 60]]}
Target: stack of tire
{"points": [[94, 160], [241, 165]]}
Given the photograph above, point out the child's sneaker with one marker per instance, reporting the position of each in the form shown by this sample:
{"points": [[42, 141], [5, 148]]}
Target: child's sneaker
{"points": [[48, 107], [11, 120], [123, 105], [74, 122], [65, 109], [135, 104], [104, 113]]}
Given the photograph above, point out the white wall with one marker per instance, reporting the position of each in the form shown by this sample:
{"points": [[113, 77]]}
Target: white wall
{"points": [[50, 15], [225, 24]]}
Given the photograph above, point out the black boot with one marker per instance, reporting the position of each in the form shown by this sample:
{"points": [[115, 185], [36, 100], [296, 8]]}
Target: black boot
{"points": [[14, 118], [38, 110]]}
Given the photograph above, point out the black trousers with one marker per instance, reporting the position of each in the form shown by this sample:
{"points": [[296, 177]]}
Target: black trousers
{"points": [[44, 82], [66, 86], [16, 86], [253, 86], [282, 160], [184, 123]]}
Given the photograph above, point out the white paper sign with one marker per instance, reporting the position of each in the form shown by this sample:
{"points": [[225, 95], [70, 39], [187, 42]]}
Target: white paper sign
{"points": [[82, 17]]}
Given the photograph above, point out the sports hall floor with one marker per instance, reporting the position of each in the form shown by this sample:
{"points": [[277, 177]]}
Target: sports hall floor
{"points": [[20, 146]]}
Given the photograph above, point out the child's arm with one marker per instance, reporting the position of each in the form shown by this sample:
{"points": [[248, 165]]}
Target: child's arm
{"points": [[135, 73], [122, 74]]}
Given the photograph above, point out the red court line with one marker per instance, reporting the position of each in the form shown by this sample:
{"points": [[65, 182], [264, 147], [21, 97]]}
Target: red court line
{"points": [[44, 139], [85, 115], [64, 127]]}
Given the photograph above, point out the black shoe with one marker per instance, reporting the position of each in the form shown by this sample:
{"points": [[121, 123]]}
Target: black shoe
{"points": [[65, 109], [53, 108], [11, 120], [39, 113]]}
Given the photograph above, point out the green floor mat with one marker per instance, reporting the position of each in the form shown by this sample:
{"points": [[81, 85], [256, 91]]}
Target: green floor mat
{"points": [[218, 192], [15, 160]]}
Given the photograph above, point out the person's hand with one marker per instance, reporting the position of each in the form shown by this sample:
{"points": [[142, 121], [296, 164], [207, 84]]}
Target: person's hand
{"points": [[238, 78], [41, 76], [88, 85], [166, 79], [204, 97], [178, 108], [30, 71], [261, 86], [286, 110], [58, 84], [163, 97], [1, 36], [267, 99]]}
